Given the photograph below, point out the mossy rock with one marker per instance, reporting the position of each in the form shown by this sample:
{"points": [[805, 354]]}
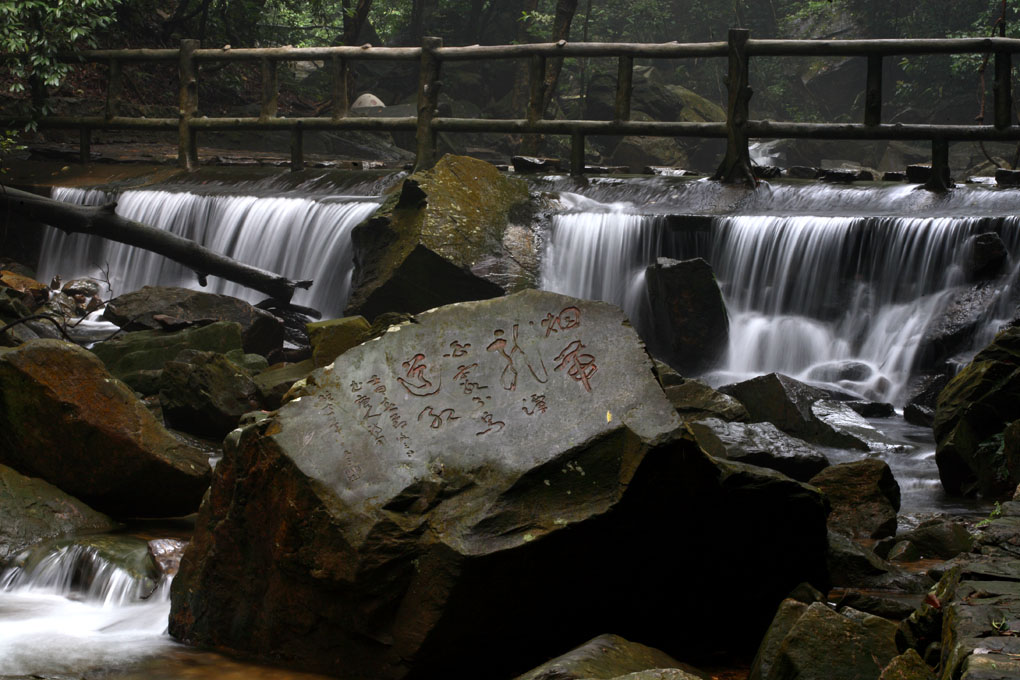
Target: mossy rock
{"points": [[446, 236], [972, 416]]}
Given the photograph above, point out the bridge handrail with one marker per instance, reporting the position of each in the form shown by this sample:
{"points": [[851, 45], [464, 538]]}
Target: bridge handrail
{"points": [[738, 128]]}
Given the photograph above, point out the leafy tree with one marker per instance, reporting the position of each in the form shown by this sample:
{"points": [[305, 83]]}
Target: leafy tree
{"points": [[38, 30]]}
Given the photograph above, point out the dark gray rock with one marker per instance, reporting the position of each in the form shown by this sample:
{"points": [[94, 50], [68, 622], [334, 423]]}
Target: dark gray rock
{"points": [[759, 444], [787, 404], [865, 497], [164, 307], [822, 644], [986, 256], [691, 329], [608, 657], [205, 394], [475, 447], [852, 566], [951, 331], [695, 400]]}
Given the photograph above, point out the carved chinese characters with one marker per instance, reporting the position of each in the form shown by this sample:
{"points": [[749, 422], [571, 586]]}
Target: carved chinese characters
{"points": [[461, 380]]}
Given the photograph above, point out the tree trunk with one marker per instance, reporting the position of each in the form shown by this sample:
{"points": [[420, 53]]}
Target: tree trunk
{"points": [[561, 31], [102, 221], [355, 21]]}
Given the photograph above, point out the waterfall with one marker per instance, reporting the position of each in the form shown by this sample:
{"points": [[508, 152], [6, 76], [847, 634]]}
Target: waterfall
{"points": [[804, 288], [72, 611], [299, 237]]}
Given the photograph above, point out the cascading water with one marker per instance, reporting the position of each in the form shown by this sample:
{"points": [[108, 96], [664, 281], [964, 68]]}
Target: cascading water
{"points": [[73, 612], [802, 290], [300, 237]]}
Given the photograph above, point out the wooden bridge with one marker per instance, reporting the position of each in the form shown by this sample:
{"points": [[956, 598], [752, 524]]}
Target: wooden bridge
{"points": [[737, 129]]}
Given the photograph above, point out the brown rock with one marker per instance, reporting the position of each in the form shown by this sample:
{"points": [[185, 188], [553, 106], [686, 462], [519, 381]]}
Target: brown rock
{"points": [[65, 419]]}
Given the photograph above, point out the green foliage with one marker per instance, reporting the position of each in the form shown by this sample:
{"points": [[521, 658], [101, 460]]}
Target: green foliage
{"points": [[40, 29], [996, 513]]}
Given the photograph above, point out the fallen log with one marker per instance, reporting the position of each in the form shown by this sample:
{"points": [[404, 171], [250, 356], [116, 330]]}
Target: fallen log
{"points": [[104, 222]]}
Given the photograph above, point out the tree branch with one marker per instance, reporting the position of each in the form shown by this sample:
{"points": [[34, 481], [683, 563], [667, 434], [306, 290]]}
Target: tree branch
{"points": [[104, 222]]}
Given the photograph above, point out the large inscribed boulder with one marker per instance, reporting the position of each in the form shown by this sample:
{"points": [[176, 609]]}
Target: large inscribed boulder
{"points": [[480, 488]]}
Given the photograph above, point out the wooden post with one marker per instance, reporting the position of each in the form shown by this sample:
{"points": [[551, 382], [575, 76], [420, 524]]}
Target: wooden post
{"points": [[270, 89], [428, 102], [113, 89], [297, 149], [338, 78], [187, 148], [873, 91], [85, 145], [576, 154], [624, 86], [939, 181], [736, 165]]}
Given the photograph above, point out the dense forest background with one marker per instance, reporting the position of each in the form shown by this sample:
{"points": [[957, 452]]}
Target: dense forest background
{"points": [[943, 89]]}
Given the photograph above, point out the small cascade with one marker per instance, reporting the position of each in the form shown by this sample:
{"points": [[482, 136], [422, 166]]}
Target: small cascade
{"points": [[71, 611], [812, 276], [301, 237]]}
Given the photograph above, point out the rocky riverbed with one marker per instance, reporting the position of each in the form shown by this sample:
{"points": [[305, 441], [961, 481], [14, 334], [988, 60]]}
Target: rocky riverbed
{"points": [[479, 488]]}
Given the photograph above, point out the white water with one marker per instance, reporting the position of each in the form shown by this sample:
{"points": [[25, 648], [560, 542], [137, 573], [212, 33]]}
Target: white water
{"points": [[803, 289], [299, 237], [76, 613]]}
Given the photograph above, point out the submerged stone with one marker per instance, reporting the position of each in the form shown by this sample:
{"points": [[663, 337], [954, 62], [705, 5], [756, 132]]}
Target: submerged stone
{"points": [[424, 499]]}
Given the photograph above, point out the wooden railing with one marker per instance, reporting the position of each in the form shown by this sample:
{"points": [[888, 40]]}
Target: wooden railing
{"points": [[738, 128]]}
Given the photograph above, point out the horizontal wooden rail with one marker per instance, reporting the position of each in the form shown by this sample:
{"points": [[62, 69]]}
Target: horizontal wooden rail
{"points": [[738, 128]]}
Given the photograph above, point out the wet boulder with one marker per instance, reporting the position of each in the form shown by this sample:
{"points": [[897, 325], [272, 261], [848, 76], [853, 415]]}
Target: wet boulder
{"points": [[759, 444], [952, 330], [276, 381], [864, 496], [986, 256], [974, 412], [907, 666], [607, 657], [827, 645], [167, 307], [787, 404], [447, 235], [853, 566], [65, 419], [691, 329], [205, 393], [939, 538], [695, 400], [33, 510], [138, 358], [423, 498]]}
